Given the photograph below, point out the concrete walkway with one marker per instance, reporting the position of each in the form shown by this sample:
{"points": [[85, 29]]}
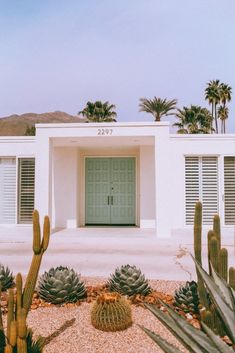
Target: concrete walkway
{"points": [[98, 251]]}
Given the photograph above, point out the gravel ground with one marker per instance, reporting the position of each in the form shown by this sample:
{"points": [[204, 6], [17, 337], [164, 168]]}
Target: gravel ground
{"points": [[75, 334]]}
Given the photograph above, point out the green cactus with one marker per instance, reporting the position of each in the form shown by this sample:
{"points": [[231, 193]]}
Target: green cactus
{"points": [[210, 235], [18, 338], [39, 247], [198, 252], [111, 312], [232, 277], [218, 259], [207, 317], [213, 252], [223, 264], [216, 229], [10, 313], [198, 232]]}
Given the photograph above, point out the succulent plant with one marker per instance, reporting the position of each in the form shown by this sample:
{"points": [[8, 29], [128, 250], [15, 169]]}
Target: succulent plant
{"points": [[128, 280], [61, 285], [192, 339], [111, 312], [6, 278], [186, 297]]}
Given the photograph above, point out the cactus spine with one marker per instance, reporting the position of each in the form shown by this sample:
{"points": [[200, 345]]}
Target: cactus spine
{"points": [[39, 247], [17, 331]]}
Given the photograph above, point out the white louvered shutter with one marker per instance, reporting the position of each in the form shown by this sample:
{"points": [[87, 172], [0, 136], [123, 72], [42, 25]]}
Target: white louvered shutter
{"points": [[209, 185], [26, 189], [229, 190], [201, 183], [192, 189], [7, 190]]}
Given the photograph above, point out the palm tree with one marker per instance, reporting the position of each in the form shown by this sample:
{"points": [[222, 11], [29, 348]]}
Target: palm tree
{"points": [[99, 112], [225, 96], [223, 116], [212, 94], [225, 93], [158, 107], [194, 120]]}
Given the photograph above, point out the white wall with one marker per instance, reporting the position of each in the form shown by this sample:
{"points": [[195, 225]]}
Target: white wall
{"points": [[64, 187], [17, 146], [147, 187]]}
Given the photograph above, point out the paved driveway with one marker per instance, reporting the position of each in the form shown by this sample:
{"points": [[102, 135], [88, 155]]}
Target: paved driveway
{"points": [[98, 251]]}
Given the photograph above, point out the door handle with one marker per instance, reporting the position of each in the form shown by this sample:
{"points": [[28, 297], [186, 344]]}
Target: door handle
{"points": [[108, 199], [111, 200]]}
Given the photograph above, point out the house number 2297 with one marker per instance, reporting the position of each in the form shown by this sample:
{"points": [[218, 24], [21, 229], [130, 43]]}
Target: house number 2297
{"points": [[103, 132]]}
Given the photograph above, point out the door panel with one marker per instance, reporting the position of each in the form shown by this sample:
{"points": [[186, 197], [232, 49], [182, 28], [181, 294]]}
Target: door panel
{"points": [[123, 190], [110, 191], [97, 191]]}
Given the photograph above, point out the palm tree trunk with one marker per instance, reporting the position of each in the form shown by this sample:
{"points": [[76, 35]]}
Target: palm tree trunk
{"points": [[216, 123], [212, 113]]}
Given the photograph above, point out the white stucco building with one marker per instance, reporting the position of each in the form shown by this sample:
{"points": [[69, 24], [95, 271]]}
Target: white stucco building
{"points": [[125, 174]]}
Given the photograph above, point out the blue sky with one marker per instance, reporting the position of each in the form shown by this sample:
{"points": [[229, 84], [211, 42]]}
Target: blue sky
{"points": [[58, 54]]}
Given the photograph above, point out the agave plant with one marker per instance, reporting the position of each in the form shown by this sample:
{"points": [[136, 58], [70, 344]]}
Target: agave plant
{"points": [[186, 297], [129, 280], [196, 341], [6, 278], [61, 285]]}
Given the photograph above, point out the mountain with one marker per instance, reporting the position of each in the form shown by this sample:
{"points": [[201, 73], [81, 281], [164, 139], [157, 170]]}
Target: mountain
{"points": [[16, 125]]}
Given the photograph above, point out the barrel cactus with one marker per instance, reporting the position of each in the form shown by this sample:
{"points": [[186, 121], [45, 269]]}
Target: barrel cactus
{"points": [[6, 278], [111, 312], [128, 280], [61, 285], [186, 297]]}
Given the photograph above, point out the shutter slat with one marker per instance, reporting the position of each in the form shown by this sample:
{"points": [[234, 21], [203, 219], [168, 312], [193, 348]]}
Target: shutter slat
{"points": [[26, 189], [7, 190], [202, 186], [229, 190]]}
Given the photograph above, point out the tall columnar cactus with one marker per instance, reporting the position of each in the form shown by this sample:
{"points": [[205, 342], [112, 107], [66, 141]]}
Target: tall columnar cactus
{"points": [[18, 337], [198, 252], [198, 232], [216, 229], [213, 252], [39, 247], [218, 259], [223, 264], [232, 277], [16, 327]]}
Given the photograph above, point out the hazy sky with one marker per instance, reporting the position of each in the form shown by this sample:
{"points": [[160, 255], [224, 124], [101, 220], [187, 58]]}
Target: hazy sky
{"points": [[58, 54]]}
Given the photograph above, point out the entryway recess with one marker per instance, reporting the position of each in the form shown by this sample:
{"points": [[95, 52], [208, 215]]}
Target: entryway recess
{"points": [[110, 189]]}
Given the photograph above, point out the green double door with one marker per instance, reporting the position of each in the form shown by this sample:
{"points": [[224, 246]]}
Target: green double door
{"points": [[110, 191]]}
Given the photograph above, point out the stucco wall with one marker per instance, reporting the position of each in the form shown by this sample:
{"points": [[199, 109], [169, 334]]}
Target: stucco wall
{"points": [[17, 146], [64, 187], [147, 187]]}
